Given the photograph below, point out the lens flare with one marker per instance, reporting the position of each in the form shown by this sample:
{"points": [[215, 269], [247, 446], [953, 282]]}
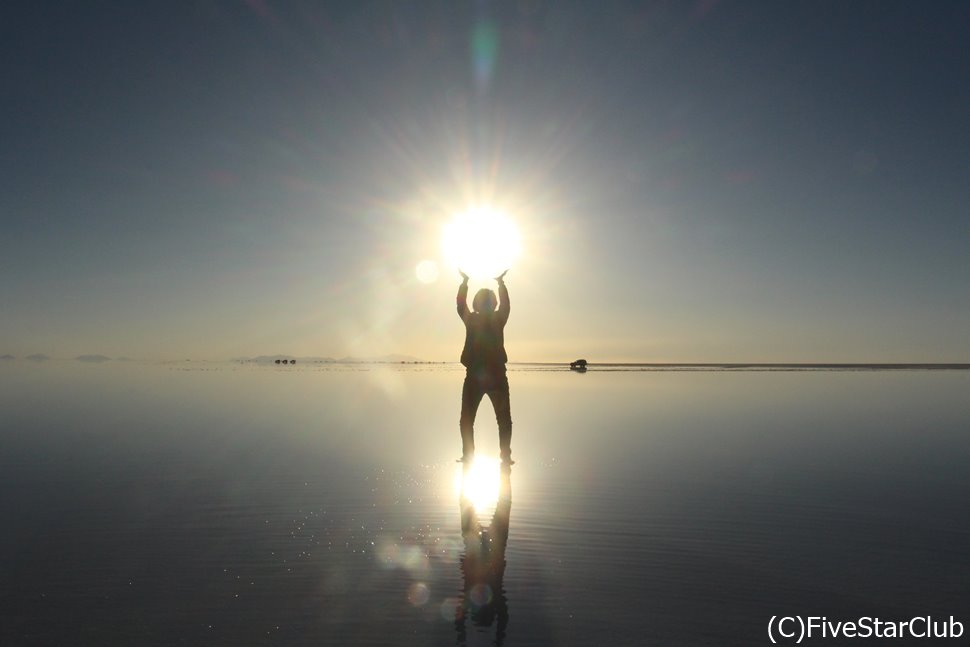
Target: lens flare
{"points": [[484, 46], [482, 242], [418, 594], [426, 272]]}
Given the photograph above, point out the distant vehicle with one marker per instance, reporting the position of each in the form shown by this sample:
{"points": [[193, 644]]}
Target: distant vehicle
{"points": [[292, 361], [277, 361], [578, 365]]}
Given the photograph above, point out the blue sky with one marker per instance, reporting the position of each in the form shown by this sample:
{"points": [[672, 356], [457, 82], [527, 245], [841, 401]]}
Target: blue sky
{"points": [[711, 181]]}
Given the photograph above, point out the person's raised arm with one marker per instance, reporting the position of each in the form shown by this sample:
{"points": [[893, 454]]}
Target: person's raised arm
{"points": [[503, 295], [462, 299]]}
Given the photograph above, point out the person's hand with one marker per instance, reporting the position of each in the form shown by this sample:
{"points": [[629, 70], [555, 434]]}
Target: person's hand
{"points": [[464, 277], [501, 277]]}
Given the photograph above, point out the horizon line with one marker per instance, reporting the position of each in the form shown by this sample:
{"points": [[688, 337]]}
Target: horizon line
{"points": [[605, 364]]}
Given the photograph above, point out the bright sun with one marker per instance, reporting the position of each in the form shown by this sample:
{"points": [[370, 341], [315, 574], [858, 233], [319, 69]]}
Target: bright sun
{"points": [[482, 242]]}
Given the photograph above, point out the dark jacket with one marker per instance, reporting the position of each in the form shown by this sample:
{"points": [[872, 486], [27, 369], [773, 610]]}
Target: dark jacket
{"points": [[484, 332]]}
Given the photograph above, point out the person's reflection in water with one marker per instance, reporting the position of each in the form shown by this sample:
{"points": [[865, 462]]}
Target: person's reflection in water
{"points": [[483, 600]]}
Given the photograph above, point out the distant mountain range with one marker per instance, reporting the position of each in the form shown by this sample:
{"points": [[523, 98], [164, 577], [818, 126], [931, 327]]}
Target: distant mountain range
{"points": [[382, 359], [262, 359]]}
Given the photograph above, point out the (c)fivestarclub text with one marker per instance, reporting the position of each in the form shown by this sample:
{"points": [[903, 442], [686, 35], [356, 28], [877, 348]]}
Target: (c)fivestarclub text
{"points": [[786, 629]]}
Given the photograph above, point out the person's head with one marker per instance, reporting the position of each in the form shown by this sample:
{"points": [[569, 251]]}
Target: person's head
{"points": [[484, 301]]}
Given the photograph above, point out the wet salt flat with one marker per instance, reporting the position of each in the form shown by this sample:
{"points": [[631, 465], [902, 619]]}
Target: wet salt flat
{"points": [[207, 504]]}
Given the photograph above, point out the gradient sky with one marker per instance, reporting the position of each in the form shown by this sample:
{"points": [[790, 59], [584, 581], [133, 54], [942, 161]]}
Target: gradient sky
{"points": [[697, 181]]}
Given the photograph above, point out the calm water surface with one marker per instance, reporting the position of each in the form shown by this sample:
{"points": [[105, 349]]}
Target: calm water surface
{"points": [[208, 504]]}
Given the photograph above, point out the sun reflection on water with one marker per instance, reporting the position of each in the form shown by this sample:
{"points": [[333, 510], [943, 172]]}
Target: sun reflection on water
{"points": [[479, 482]]}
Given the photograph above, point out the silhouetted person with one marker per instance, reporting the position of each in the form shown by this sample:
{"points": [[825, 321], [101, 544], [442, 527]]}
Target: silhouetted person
{"points": [[484, 359], [483, 564]]}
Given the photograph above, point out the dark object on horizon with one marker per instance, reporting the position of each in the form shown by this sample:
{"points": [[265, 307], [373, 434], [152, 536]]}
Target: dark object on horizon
{"points": [[277, 361], [578, 365], [292, 361]]}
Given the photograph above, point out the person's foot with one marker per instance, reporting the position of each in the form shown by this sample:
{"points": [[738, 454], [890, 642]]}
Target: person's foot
{"points": [[507, 460], [465, 458]]}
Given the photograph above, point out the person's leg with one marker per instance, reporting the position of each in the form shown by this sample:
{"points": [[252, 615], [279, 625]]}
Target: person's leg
{"points": [[499, 395], [471, 397]]}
